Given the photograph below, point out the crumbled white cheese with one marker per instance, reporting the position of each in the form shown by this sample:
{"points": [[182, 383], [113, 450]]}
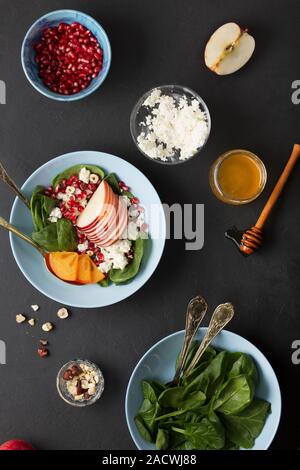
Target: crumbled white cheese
{"points": [[62, 196], [55, 214], [83, 246], [173, 127], [84, 175], [105, 267], [132, 231], [115, 255]]}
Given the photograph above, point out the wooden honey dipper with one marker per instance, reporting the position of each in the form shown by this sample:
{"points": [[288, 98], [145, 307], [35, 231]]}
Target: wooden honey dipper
{"points": [[248, 241]]}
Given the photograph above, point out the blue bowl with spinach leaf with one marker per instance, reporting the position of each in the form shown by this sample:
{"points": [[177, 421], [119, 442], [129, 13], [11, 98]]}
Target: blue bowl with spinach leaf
{"points": [[31, 263], [243, 392]]}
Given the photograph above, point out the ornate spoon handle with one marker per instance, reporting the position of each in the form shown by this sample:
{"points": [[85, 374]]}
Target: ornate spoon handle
{"points": [[10, 182], [221, 316], [13, 229], [196, 310]]}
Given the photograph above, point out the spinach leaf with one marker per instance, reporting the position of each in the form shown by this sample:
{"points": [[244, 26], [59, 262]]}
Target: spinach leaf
{"points": [[59, 236], [139, 422], [66, 235], [162, 440], [113, 181], [209, 380], [209, 434], [123, 275], [104, 282], [243, 364], [235, 395], [172, 397], [149, 392], [40, 207], [176, 441], [193, 401], [242, 429], [74, 170], [148, 412]]}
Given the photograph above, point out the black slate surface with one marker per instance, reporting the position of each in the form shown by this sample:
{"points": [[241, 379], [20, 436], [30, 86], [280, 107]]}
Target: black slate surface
{"points": [[155, 42]]}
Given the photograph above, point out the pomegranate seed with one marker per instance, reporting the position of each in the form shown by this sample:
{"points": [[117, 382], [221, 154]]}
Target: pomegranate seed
{"points": [[134, 200], [123, 186], [63, 53]]}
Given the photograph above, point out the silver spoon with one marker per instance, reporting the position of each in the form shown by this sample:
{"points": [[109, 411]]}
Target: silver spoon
{"points": [[221, 316], [196, 310], [4, 176]]}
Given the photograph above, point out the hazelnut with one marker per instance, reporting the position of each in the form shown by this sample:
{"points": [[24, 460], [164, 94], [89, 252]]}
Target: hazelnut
{"points": [[62, 313], [67, 375], [35, 307], [20, 318], [75, 370], [94, 178], [47, 326]]}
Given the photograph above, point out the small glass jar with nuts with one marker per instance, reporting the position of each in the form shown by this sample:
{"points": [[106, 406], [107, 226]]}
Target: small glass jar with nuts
{"points": [[80, 382]]}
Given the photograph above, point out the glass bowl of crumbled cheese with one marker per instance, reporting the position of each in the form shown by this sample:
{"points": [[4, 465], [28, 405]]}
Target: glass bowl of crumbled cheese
{"points": [[170, 124]]}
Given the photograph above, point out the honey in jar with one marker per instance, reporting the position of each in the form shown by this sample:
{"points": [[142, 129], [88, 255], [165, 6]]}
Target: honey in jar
{"points": [[237, 177]]}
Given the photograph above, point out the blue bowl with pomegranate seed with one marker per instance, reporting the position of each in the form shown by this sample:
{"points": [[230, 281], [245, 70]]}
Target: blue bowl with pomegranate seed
{"points": [[71, 65]]}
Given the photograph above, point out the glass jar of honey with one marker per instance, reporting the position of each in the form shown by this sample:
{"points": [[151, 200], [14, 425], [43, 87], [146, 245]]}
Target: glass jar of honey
{"points": [[237, 177]]}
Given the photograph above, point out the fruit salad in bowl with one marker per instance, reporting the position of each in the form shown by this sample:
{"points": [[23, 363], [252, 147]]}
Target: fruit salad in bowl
{"points": [[93, 225], [100, 216]]}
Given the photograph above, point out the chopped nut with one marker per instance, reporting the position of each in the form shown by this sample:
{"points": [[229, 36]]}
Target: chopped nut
{"points": [[84, 384], [62, 313], [94, 178], [47, 326], [43, 352], [92, 390], [31, 322], [76, 370], [43, 342], [20, 318], [35, 307], [89, 252], [78, 397], [67, 375]]}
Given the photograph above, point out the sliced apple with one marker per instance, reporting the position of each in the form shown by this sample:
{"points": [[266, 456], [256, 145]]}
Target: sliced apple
{"points": [[113, 235], [228, 49], [94, 208]]}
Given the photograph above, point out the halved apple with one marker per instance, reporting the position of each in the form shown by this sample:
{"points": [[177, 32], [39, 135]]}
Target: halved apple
{"points": [[228, 49]]}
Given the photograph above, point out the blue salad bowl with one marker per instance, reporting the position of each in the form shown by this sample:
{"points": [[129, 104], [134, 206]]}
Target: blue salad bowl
{"points": [[158, 363], [53, 19], [31, 262]]}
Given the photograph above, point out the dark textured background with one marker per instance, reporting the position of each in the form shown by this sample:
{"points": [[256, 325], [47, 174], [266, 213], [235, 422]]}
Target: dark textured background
{"points": [[155, 42]]}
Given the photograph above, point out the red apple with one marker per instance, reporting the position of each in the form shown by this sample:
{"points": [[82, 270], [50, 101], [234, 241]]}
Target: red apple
{"points": [[16, 444]]}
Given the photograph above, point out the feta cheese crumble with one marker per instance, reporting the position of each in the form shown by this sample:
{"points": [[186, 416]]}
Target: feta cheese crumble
{"points": [[55, 214], [172, 127], [115, 256], [84, 175]]}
